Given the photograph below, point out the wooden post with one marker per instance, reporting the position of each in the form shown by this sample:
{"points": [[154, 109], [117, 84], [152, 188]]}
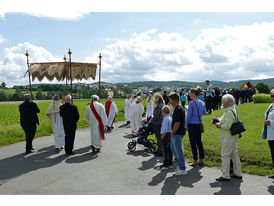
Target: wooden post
{"points": [[69, 52], [27, 55], [100, 63], [65, 59]]}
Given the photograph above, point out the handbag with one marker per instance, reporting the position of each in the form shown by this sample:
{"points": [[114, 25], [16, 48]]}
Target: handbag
{"points": [[201, 124], [237, 127]]}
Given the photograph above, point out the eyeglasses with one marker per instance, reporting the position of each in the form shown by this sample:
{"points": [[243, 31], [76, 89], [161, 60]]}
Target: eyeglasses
{"points": [[272, 96]]}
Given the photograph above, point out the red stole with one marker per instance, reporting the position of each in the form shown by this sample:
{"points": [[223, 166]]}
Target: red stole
{"points": [[137, 102], [101, 126], [107, 106]]}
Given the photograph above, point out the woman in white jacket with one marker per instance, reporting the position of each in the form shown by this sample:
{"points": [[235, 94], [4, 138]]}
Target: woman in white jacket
{"points": [[149, 111], [268, 131], [57, 123]]}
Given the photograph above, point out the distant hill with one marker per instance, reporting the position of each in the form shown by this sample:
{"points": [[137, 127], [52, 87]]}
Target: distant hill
{"points": [[186, 84]]}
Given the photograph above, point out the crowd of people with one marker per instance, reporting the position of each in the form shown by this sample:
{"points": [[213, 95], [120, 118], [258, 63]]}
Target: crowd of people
{"points": [[170, 119]]}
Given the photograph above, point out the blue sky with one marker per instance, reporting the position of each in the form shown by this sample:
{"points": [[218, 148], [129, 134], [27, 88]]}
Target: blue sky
{"points": [[96, 32]]}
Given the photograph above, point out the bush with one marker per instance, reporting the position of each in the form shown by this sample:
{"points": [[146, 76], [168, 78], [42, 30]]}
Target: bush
{"points": [[262, 98], [263, 88]]}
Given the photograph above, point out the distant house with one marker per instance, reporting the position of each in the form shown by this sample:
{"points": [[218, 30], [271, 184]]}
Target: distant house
{"points": [[110, 92]]}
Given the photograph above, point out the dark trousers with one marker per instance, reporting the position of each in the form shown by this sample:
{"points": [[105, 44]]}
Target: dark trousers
{"points": [[271, 146], [167, 150], [195, 138], [30, 133], [209, 104], [69, 139], [157, 129]]}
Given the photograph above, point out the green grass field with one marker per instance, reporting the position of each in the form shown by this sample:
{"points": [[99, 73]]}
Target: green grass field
{"points": [[254, 151]]}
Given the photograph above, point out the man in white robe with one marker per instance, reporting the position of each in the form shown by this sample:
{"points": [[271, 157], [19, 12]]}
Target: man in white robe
{"points": [[134, 99], [137, 110], [57, 123], [127, 109], [96, 121], [111, 112]]}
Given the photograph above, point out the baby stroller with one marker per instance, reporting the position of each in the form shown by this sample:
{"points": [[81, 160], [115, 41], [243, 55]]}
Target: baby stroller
{"points": [[144, 132]]}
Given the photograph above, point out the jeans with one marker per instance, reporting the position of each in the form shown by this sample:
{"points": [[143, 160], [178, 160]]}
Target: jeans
{"points": [[209, 104], [195, 138], [178, 150], [271, 146]]}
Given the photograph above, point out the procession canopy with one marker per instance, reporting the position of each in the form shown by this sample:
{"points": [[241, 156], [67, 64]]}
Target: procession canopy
{"points": [[61, 71]]}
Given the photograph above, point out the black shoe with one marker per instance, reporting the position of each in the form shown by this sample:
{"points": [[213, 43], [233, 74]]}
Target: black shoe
{"points": [[29, 151], [272, 176], [237, 177], [98, 150], [93, 148], [220, 179], [108, 129], [72, 153], [112, 127]]}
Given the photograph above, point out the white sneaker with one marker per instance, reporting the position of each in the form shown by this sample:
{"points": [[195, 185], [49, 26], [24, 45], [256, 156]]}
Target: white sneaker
{"points": [[180, 172]]}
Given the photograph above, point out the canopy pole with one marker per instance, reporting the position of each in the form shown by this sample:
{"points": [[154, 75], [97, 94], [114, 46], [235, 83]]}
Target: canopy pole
{"points": [[69, 52], [99, 91], [27, 55], [65, 59]]}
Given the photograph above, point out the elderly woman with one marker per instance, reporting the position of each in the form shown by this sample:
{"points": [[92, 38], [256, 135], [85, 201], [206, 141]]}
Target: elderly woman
{"points": [[57, 123], [268, 131], [157, 121], [137, 110], [228, 141]]}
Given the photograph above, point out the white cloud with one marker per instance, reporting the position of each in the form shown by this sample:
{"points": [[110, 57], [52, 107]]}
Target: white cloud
{"points": [[65, 15], [227, 53], [14, 66], [2, 39]]}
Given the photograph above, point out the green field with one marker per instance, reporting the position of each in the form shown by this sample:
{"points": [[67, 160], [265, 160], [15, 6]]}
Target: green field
{"points": [[253, 150]]}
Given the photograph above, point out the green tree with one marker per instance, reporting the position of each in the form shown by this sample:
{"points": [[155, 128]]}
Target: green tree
{"points": [[3, 85], [39, 95], [3, 96], [263, 88]]}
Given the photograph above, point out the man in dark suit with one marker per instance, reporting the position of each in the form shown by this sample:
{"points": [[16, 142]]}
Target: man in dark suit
{"points": [[70, 116], [28, 120]]}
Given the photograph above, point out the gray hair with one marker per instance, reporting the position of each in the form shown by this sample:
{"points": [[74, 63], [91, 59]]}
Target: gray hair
{"points": [[56, 97], [229, 99], [68, 98], [272, 91], [95, 98], [27, 97]]}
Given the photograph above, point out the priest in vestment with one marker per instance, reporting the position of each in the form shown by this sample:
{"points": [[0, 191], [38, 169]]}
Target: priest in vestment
{"points": [[57, 123], [96, 117], [127, 109], [111, 112], [137, 110]]}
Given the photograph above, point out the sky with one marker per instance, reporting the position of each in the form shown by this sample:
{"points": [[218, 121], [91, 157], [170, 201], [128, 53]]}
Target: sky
{"points": [[139, 46]]}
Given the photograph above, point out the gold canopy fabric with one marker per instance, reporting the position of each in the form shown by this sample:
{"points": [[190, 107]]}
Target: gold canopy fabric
{"points": [[61, 70]]}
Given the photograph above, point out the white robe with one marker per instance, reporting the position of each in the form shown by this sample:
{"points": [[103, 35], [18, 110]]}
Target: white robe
{"points": [[127, 109], [136, 116], [96, 138], [134, 100], [113, 111], [57, 124], [149, 111]]}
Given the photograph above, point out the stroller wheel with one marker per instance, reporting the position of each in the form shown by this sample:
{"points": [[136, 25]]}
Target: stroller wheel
{"points": [[131, 146], [152, 148]]}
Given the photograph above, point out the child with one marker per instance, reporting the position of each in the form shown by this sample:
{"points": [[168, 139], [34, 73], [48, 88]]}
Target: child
{"points": [[165, 132], [142, 128]]}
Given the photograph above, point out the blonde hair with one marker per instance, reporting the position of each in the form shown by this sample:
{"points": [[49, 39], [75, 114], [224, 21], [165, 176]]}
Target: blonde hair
{"points": [[166, 109], [158, 99], [149, 98]]}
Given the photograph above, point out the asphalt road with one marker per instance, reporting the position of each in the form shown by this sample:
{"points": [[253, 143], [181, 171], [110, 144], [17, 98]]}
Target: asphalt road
{"points": [[114, 171]]}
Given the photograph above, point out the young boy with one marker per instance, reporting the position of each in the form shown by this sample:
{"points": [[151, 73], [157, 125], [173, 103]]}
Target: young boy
{"points": [[165, 132], [178, 132]]}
